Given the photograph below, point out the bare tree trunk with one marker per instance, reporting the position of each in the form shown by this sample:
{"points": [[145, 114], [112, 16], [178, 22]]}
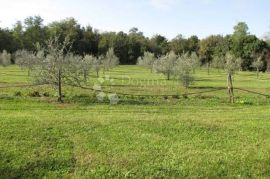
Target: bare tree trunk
{"points": [[258, 71], [208, 68], [186, 91], [268, 62], [97, 74], [168, 76], [85, 76], [230, 88], [60, 87]]}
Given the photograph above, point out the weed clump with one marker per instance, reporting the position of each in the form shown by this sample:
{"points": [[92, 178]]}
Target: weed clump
{"points": [[18, 93], [46, 94], [34, 94]]}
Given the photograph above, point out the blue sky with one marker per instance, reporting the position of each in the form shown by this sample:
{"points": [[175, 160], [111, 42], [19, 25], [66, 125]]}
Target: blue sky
{"points": [[166, 17]]}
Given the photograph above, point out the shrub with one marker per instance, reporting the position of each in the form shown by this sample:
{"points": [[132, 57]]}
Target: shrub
{"points": [[176, 97], [46, 94], [35, 94], [18, 93]]}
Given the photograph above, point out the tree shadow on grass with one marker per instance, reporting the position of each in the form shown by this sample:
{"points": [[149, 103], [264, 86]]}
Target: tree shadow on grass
{"points": [[87, 100], [206, 87], [205, 80], [6, 97], [35, 169]]}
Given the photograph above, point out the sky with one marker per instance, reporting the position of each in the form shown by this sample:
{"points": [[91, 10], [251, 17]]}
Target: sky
{"points": [[166, 17]]}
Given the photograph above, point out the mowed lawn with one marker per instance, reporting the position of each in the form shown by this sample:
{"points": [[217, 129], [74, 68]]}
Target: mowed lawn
{"points": [[141, 137]]}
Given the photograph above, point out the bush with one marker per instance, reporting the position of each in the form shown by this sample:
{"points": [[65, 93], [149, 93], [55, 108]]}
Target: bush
{"points": [[18, 93], [35, 94], [245, 102], [176, 97], [46, 94], [185, 96]]}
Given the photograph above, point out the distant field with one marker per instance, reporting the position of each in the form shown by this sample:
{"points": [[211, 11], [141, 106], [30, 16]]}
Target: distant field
{"points": [[154, 132]]}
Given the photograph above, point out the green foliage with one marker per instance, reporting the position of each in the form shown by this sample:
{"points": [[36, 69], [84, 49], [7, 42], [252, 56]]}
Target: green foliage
{"points": [[193, 44], [35, 32], [181, 45], [241, 29], [244, 46], [64, 29], [207, 47], [159, 45], [7, 41], [128, 47], [120, 44], [137, 44], [18, 35]]}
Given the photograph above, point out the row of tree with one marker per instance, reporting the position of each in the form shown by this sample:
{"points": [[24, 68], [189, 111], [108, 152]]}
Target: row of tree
{"points": [[56, 65], [170, 64], [129, 46], [182, 67]]}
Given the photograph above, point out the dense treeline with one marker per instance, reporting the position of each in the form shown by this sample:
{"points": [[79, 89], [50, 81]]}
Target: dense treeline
{"points": [[128, 47]]}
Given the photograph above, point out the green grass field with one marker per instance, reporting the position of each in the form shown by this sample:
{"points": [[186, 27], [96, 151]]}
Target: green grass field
{"points": [[140, 137]]}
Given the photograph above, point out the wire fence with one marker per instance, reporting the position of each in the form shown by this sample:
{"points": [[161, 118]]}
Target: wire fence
{"points": [[22, 86], [142, 95], [253, 92]]}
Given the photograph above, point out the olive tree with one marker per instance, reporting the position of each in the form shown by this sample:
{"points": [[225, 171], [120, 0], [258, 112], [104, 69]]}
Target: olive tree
{"points": [[194, 61], [218, 62], [147, 60], [26, 60], [110, 60], [232, 64], [76, 70], [140, 61], [5, 58], [87, 61], [258, 64], [93, 63], [184, 68], [97, 64], [58, 67], [165, 64]]}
